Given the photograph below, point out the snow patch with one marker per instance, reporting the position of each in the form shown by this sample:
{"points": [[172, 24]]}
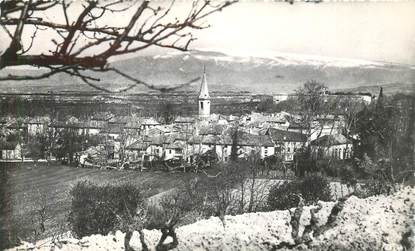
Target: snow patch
{"points": [[375, 223]]}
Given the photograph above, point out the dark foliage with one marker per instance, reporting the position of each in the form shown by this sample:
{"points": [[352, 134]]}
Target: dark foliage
{"points": [[94, 208], [375, 187], [283, 196], [234, 149], [386, 133], [304, 162], [266, 105], [311, 189]]}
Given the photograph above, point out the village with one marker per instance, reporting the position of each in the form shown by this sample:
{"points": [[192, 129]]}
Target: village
{"points": [[106, 140]]}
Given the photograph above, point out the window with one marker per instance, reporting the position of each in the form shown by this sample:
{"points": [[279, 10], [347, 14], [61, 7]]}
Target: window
{"points": [[266, 151], [201, 104], [169, 151], [288, 149]]}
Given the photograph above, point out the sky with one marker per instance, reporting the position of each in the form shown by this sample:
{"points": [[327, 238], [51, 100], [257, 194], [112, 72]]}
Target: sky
{"points": [[371, 31], [383, 31]]}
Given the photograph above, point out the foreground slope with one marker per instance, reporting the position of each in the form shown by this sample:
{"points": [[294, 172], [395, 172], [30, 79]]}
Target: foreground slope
{"points": [[375, 223]]}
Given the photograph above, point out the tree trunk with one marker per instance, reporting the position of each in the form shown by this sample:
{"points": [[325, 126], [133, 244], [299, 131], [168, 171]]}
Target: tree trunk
{"points": [[166, 232], [251, 199], [144, 246], [127, 239]]}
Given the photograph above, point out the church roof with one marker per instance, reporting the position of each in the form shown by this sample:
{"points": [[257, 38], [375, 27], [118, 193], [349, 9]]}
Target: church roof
{"points": [[286, 136], [204, 92], [331, 140]]}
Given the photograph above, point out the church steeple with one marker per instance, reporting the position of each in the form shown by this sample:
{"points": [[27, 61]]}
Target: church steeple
{"points": [[204, 98], [204, 91]]}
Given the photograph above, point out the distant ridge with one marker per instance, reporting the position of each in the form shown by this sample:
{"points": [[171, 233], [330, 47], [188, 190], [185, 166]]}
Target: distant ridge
{"points": [[263, 72]]}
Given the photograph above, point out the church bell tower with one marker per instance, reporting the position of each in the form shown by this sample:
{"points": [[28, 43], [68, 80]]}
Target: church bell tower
{"points": [[204, 98]]}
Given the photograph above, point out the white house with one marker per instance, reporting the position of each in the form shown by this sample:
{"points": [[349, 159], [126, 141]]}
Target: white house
{"points": [[10, 151], [287, 142], [332, 147]]}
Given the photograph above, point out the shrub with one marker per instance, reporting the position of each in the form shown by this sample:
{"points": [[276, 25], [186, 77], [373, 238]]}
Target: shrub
{"points": [[348, 176], [374, 187], [380, 179], [98, 209], [283, 196], [314, 188], [287, 195]]}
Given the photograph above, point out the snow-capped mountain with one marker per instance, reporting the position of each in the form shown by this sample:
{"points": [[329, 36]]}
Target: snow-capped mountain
{"points": [[259, 72], [265, 72]]}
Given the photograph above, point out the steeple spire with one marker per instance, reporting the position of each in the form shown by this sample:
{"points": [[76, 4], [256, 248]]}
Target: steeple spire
{"points": [[204, 91], [204, 98]]}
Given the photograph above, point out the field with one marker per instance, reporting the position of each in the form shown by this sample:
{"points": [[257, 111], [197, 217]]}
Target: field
{"points": [[26, 188]]}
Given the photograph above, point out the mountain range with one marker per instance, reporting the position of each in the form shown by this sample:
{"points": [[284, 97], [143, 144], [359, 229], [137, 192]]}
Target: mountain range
{"points": [[264, 73]]}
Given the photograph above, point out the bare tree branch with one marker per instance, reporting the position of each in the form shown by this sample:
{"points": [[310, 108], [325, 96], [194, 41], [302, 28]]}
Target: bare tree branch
{"points": [[88, 42]]}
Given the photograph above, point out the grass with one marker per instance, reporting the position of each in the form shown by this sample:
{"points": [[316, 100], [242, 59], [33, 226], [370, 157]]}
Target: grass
{"points": [[26, 187]]}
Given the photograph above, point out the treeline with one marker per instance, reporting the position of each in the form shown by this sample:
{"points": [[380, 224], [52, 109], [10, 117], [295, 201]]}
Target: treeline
{"points": [[18, 106]]}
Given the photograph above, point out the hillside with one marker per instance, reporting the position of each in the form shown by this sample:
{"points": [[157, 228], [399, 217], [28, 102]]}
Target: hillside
{"points": [[387, 88], [258, 73], [374, 223]]}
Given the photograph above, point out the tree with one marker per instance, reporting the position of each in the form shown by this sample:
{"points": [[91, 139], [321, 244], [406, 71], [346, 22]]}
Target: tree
{"points": [[69, 142], [349, 108], [312, 103], [168, 112], [234, 147], [36, 146], [385, 133], [84, 41], [266, 105]]}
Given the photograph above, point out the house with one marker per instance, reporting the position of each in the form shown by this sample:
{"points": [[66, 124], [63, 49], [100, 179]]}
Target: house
{"points": [[10, 150], [287, 142], [326, 125], [174, 150], [71, 123], [154, 147], [119, 121], [102, 117], [112, 132], [246, 144], [14, 125], [211, 129], [37, 125], [280, 97], [93, 127], [184, 120], [295, 126], [133, 127], [149, 123], [136, 151], [335, 146], [200, 144]]}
